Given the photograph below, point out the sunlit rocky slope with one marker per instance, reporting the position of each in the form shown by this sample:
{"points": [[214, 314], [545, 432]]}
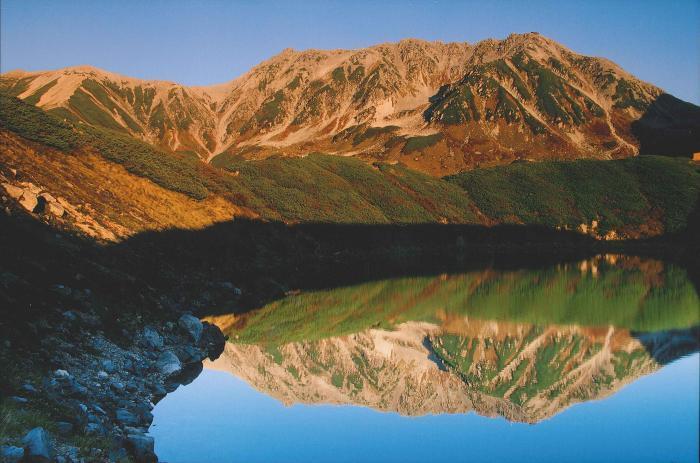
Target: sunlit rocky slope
{"points": [[109, 185], [433, 106]]}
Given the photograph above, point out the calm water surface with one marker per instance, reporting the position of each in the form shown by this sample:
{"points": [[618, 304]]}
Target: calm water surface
{"points": [[593, 361]]}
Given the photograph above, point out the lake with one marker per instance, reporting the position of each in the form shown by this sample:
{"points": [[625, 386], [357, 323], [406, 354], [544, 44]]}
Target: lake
{"points": [[585, 361]]}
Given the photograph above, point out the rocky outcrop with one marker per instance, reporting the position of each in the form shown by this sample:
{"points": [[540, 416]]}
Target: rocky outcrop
{"points": [[38, 200]]}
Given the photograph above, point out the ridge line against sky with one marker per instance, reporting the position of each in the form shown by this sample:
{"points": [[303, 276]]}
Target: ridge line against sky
{"points": [[200, 43]]}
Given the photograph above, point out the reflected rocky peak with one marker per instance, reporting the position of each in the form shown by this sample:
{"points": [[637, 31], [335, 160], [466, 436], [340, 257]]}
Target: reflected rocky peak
{"points": [[521, 372], [522, 344]]}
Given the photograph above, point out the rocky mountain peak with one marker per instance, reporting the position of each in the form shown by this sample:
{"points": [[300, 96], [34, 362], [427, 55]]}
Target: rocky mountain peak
{"points": [[438, 107]]}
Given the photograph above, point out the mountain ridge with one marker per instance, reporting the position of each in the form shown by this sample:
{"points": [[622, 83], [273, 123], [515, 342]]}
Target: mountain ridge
{"points": [[436, 107]]}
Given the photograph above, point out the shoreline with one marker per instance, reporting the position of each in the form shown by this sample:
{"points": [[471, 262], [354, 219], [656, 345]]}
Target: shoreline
{"points": [[93, 395]]}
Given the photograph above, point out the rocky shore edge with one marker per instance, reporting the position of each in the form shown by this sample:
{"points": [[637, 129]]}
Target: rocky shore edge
{"points": [[104, 391]]}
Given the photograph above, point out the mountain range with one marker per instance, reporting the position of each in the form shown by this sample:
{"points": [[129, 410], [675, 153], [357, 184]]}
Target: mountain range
{"points": [[436, 107], [521, 372]]}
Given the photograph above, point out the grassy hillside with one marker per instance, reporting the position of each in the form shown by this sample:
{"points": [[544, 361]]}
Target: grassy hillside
{"points": [[317, 188], [172, 171], [635, 197], [640, 196], [321, 188]]}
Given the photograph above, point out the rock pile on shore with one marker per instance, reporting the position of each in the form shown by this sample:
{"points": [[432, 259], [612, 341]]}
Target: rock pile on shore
{"points": [[104, 391]]}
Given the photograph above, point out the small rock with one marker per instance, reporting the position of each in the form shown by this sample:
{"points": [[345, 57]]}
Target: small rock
{"points": [[128, 365], [11, 454], [19, 400], [29, 388], [30, 187], [36, 445], [109, 366], [191, 354], [47, 197], [117, 386], [77, 389], [231, 287], [102, 375], [29, 201], [141, 447], [152, 338], [56, 209], [168, 363], [72, 454], [192, 325], [61, 289], [70, 315], [13, 191], [61, 374]]}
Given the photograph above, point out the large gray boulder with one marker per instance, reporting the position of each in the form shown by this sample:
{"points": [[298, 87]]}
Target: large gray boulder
{"points": [[191, 325], [126, 418], [37, 447], [168, 363], [141, 447]]}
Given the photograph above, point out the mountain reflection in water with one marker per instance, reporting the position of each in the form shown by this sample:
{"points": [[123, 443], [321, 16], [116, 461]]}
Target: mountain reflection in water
{"points": [[522, 344]]}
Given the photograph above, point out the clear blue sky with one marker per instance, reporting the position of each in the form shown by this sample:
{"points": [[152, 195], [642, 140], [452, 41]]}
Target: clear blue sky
{"points": [[205, 42]]}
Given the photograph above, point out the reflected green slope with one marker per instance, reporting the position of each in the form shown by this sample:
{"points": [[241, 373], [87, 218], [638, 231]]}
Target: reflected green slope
{"points": [[630, 293]]}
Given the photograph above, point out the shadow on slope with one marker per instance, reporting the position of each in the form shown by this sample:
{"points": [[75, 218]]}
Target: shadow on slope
{"points": [[265, 259], [202, 270], [669, 127]]}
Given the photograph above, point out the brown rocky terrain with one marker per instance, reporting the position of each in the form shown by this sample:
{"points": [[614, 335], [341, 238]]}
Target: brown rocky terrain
{"points": [[438, 107]]}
